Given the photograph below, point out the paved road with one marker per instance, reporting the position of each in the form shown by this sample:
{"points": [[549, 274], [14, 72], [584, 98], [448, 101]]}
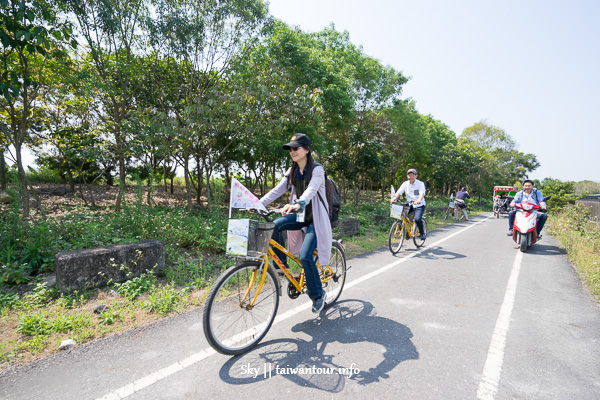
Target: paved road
{"points": [[467, 317]]}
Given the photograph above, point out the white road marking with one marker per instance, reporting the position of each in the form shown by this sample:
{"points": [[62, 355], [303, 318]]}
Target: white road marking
{"points": [[490, 379], [154, 377]]}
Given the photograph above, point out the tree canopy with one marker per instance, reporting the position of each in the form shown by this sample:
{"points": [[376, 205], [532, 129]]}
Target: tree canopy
{"points": [[214, 89]]}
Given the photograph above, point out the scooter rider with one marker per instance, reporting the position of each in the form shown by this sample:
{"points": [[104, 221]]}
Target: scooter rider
{"points": [[528, 195]]}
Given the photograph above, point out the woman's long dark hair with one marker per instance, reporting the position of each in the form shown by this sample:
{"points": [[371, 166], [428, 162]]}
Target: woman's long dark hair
{"points": [[309, 167]]}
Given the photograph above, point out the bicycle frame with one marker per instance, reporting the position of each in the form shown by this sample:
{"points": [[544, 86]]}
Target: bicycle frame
{"points": [[298, 284], [406, 222]]}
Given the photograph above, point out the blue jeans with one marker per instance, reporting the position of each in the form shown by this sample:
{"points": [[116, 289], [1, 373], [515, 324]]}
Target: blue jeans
{"points": [[311, 272], [541, 221], [418, 216]]}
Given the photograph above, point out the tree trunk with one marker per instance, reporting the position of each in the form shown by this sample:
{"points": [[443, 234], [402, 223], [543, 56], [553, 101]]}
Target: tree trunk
{"points": [[188, 186], [122, 173], [208, 191], [70, 175], [108, 176], [2, 170], [200, 181], [22, 181], [150, 197]]}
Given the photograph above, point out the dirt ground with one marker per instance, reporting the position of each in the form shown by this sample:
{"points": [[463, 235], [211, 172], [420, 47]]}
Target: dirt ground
{"points": [[103, 197]]}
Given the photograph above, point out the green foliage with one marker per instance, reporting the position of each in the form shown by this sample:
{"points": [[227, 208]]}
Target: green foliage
{"points": [[195, 274], [72, 300], [500, 161], [587, 187], [43, 324], [109, 316], [561, 192], [34, 324], [40, 296], [68, 323], [8, 300], [27, 247], [165, 299], [134, 287], [579, 233]]}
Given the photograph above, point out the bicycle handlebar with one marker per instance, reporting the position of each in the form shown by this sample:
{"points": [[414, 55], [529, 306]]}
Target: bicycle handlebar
{"points": [[408, 203], [268, 213]]}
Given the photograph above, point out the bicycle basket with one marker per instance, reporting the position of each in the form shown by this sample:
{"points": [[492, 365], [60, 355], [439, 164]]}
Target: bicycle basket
{"points": [[247, 237], [396, 211], [259, 236]]}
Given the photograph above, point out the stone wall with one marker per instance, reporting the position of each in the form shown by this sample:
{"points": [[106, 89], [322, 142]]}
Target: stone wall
{"points": [[92, 268], [349, 227], [593, 204]]}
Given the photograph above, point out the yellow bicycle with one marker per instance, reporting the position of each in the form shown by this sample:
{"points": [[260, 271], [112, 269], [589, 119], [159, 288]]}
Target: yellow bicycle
{"points": [[405, 227], [454, 209], [242, 303]]}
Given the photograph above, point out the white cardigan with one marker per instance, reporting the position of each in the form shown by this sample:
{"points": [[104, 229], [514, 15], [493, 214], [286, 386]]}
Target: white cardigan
{"points": [[320, 212]]}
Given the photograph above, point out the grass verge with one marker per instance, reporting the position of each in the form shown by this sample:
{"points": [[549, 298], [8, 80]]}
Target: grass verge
{"points": [[579, 234]]}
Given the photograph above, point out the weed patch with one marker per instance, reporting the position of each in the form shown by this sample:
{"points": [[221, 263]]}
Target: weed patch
{"points": [[579, 234]]}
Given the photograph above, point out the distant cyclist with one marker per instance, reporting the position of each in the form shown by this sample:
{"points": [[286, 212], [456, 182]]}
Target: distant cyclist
{"points": [[415, 194], [461, 196]]}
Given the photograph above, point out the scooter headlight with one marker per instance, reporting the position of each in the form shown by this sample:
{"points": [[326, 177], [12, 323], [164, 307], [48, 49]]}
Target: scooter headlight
{"points": [[527, 206]]}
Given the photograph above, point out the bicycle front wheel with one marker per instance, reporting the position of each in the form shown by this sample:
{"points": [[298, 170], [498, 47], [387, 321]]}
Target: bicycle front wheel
{"points": [[333, 276], [234, 321], [447, 213], [396, 237], [417, 238]]}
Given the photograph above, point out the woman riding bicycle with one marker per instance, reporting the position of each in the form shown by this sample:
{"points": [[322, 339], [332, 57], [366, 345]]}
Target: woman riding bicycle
{"points": [[306, 179], [415, 193]]}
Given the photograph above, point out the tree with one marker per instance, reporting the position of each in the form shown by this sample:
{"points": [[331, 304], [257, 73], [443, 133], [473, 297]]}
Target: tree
{"points": [[112, 31], [31, 33], [501, 162], [201, 42], [562, 192]]}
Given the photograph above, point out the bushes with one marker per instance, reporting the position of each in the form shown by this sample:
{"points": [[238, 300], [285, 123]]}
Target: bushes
{"points": [[27, 247]]}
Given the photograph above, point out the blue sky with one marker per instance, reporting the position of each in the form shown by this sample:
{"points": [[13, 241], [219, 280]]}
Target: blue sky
{"points": [[529, 67]]}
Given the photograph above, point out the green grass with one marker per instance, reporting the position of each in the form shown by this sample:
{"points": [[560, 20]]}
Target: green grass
{"points": [[579, 234]]}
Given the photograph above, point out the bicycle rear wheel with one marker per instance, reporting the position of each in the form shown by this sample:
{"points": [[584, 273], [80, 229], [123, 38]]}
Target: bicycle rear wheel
{"points": [[334, 277], [396, 237], [447, 213], [417, 238], [231, 325]]}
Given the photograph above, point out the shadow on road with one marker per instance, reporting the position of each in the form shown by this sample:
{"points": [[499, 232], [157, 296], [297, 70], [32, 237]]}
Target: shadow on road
{"points": [[545, 249], [310, 364], [436, 253]]}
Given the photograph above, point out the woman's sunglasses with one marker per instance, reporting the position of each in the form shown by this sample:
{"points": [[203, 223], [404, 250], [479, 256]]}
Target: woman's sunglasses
{"points": [[293, 148]]}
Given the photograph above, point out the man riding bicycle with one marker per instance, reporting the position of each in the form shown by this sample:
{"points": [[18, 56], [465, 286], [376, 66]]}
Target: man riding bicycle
{"points": [[461, 196], [415, 194]]}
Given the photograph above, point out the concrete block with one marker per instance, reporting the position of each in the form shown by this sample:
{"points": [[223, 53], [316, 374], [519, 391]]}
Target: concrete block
{"points": [[384, 220], [92, 268], [349, 227]]}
